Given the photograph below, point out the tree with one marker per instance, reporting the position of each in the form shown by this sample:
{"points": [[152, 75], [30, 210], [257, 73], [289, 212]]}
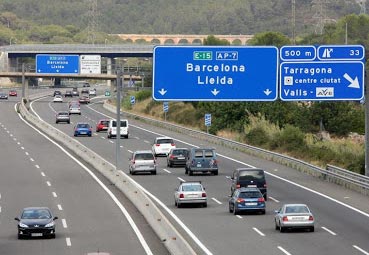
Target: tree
{"points": [[270, 38], [212, 40]]}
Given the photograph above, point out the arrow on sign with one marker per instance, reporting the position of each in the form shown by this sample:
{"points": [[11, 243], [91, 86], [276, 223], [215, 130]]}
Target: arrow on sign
{"points": [[162, 92], [215, 92], [267, 92], [353, 83]]}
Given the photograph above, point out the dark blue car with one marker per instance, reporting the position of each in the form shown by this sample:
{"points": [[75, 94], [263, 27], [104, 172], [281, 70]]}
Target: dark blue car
{"points": [[246, 199], [82, 129]]}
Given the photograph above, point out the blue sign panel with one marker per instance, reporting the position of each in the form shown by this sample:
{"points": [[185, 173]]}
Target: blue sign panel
{"points": [[297, 53], [215, 73], [165, 106], [322, 81], [341, 52], [208, 119], [54, 64], [133, 100]]}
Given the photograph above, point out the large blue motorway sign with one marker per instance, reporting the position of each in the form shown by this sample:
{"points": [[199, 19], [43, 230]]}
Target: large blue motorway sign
{"points": [[221, 73], [57, 64], [329, 72]]}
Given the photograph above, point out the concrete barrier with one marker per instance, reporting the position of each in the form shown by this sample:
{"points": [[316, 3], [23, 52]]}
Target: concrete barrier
{"points": [[172, 239]]}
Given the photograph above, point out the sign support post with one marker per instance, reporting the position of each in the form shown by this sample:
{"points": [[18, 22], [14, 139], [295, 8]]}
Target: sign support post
{"points": [[117, 148], [366, 124]]}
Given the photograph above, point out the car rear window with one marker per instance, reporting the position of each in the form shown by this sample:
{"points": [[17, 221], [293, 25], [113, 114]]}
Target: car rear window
{"points": [[63, 113], [209, 153], [199, 153], [192, 187], [162, 141], [297, 209], [251, 175], [83, 126], [250, 194], [144, 156], [179, 152], [123, 123], [105, 123]]}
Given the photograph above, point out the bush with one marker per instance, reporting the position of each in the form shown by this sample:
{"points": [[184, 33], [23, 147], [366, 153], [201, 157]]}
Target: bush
{"points": [[257, 137], [142, 95], [290, 138]]}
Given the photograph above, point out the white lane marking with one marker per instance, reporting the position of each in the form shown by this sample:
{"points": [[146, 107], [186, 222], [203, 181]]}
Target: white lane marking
{"points": [[18, 143], [8, 131], [275, 200], [145, 141], [121, 146], [64, 222], [130, 151], [11, 135], [31, 159], [48, 183], [258, 231], [169, 172], [135, 136], [239, 216], [102, 137], [69, 243], [22, 148], [60, 207], [51, 107], [15, 139], [329, 231], [26, 153], [113, 197], [0, 209], [361, 250], [217, 201], [111, 141], [228, 177], [43, 174], [37, 166], [182, 180], [54, 194], [283, 250]]}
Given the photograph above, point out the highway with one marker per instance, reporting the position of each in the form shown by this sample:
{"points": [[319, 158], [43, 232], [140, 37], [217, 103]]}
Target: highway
{"points": [[342, 216], [37, 172]]}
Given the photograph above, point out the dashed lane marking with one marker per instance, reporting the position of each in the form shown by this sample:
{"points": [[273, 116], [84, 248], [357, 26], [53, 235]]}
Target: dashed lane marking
{"points": [[54, 194], [69, 243], [216, 200], [60, 207], [283, 250], [275, 200], [329, 231], [258, 231], [169, 172], [64, 222]]}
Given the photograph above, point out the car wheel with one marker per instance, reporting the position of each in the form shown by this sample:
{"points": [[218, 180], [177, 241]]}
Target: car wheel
{"points": [[262, 211], [281, 229], [178, 205], [216, 173], [153, 172], [190, 173], [175, 202], [75, 134], [20, 236], [235, 212], [276, 226], [265, 196], [186, 171], [68, 122], [311, 229], [205, 204], [126, 136], [52, 236], [229, 208]]}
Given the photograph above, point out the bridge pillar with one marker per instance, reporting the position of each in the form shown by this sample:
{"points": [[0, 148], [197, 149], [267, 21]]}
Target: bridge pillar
{"points": [[108, 70]]}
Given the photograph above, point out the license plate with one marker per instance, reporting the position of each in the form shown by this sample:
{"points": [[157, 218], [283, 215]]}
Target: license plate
{"points": [[36, 234], [297, 218], [180, 158], [251, 186], [83, 133], [251, 203], [198, 165]]}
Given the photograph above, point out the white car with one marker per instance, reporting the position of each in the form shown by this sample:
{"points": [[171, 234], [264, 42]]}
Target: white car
{"points": [[190, 193], [163, 145], [112, 128], [74, 109], [58, 99], [294, 216], [92, 92]]}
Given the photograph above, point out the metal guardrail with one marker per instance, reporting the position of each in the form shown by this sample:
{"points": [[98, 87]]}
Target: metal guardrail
{"points": [[333, 174]]}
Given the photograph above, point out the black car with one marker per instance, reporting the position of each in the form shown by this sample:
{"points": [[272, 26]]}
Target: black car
{"points": [[249, 178], [57, 92], [68, 93], [36, 222], [177, 156]]}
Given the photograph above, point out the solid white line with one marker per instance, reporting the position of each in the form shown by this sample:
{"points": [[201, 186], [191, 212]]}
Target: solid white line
{"points": [[275, 200], [48, 183], [239, 216], [113, 197], [54, 194], [284, 251], [169, 172], [31, 159], [60, 208], [0, 209], [361, 250], [43, 174], [258, 231], [182, 180], [217, 201], [37, 166], [68, 241], [329, 231], [64, 222]]}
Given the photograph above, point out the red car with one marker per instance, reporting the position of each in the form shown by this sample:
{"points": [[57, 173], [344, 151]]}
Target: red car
{"points": [[102, 125], [13, 93], [84, 100]]}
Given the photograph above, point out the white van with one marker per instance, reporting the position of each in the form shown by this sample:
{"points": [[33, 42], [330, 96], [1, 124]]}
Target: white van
{"points": [[112, 128]]}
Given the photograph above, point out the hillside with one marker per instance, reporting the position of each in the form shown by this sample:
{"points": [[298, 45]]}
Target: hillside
{"points": [[181, 17]]}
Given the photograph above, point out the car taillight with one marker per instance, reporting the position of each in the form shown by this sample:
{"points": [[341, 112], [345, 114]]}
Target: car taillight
{"points": [[158, 144], [181, 195], [133, 162], [284, 218], [203, 194], [311, 218], [240, 200], [265, 185], [261, 199], [173, 144], [171, 156], [238, 186]]}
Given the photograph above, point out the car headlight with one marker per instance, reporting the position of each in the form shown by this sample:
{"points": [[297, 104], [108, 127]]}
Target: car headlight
{"points": [[22, 225], [51, 224]]}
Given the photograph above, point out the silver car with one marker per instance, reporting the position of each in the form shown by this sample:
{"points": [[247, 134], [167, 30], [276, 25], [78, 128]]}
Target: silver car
{"points": [[294, 216], [74, 109], [142, 161], [190, 193], [62, 116]]}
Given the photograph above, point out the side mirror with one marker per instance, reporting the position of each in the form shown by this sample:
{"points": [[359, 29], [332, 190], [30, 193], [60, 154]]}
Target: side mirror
{"points": [[17, 219], [276, 211], [55, 218]]}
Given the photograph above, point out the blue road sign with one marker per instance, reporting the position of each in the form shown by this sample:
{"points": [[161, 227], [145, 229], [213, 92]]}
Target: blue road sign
{"points": [[341, 52], [297, 53], [322, 80], [208, 119], [165, 106], [54, 64], [133, 100], [215, 73]]}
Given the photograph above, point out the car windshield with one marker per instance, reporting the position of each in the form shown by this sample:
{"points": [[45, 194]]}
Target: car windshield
{"points": [[195, 187], [250, 194], [83, 126], [144, 156], [36, 214], [105, 123], [63, 114], [123, 123], [297, 209], [251, 175], [162, 141]]}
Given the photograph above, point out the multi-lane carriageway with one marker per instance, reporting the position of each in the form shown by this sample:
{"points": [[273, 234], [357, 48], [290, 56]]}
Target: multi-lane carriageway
{"points": [[35, 171]]}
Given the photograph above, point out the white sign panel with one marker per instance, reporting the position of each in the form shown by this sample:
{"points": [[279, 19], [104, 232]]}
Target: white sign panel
{"points": [[90, 64]]}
